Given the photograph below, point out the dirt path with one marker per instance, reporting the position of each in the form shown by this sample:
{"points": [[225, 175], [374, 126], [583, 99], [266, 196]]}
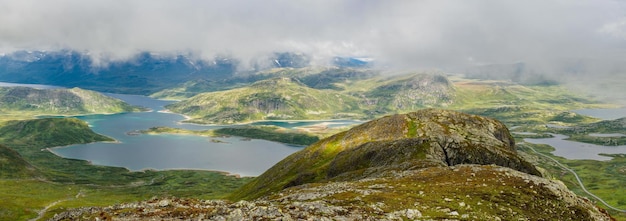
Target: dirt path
{"points": [[580, 182], [45, 209]]}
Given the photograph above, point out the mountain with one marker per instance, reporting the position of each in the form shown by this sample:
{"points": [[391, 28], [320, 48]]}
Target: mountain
{"points": [[425, 165], [352, 62], [24, 100], [411, 92], [318, 78], [12, 165], [50, 132], [145, 73], [287, 59], [426, 138], [272, 99], [314, 94]]}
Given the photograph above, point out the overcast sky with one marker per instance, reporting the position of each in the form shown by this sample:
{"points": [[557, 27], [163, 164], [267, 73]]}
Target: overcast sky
{"points": [[448, 35]]}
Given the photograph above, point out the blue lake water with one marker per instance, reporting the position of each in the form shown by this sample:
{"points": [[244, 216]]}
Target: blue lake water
{"points": [[167, 151], [584, 151], [577, 150], [162, 152]]}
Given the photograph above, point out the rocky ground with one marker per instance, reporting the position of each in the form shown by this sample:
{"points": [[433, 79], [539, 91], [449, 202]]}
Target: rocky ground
{"points": [[464, 192]]}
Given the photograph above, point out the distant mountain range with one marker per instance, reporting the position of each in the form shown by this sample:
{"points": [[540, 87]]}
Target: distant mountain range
{"points": [[145, 73]]}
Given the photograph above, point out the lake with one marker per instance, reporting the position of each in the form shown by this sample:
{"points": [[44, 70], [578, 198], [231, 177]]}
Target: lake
{"points": [[168, 151], [584, 151], [246, 157], [577, 150]]}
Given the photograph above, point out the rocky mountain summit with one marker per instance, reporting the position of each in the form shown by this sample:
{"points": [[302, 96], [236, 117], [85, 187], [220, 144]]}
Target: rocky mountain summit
{"points": [[426, 165]]}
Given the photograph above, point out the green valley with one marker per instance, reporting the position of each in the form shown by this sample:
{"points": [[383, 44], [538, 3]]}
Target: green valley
{"points": [[34, 178], [39, 178], [313, 110]]}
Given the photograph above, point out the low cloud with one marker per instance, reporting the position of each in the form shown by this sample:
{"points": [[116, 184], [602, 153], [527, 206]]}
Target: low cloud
{"points": [[552, 35]]}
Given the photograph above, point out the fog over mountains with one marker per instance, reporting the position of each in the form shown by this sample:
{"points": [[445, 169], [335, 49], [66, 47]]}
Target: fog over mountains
{"points": [[581, 41]]}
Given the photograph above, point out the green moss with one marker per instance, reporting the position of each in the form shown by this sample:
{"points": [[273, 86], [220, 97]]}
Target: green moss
{"points": [[412, 128]]}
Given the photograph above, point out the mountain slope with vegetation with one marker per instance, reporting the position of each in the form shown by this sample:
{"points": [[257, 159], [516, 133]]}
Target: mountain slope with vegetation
{"points": [[365, 95], [319, 78], [427, 138], [33, 178], [25, 101], [406, 93], [272, 99], [12, 165], [430, 164]]}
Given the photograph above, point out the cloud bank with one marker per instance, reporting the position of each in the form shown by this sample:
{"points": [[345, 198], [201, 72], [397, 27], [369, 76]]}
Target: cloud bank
{"points": [[553, 35]]}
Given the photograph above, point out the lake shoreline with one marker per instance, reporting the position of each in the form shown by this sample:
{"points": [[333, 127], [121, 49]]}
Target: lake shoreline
{"points": [[574, 150]]}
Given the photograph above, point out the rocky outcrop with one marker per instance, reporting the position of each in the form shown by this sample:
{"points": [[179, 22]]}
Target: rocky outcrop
{"points": [[464, 192], [426, 138], [414, 91]]}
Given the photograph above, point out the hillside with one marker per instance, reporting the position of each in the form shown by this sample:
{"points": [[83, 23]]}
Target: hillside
{"points": [[30, 101], [427, 138], [70, 183], [362, 94], [410, 92], [272, 99], [49, 131], [335, 93], [12, 165], [431, 164], [319, 78]]}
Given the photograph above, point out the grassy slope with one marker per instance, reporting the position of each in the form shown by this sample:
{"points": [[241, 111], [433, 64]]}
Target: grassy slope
{"points": [[605, 179], [278, 98], [318, 78], [77, 183], [12, 165], [371, 97], [24, 102], [531, 107], [393, 140], [521, 105]]}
